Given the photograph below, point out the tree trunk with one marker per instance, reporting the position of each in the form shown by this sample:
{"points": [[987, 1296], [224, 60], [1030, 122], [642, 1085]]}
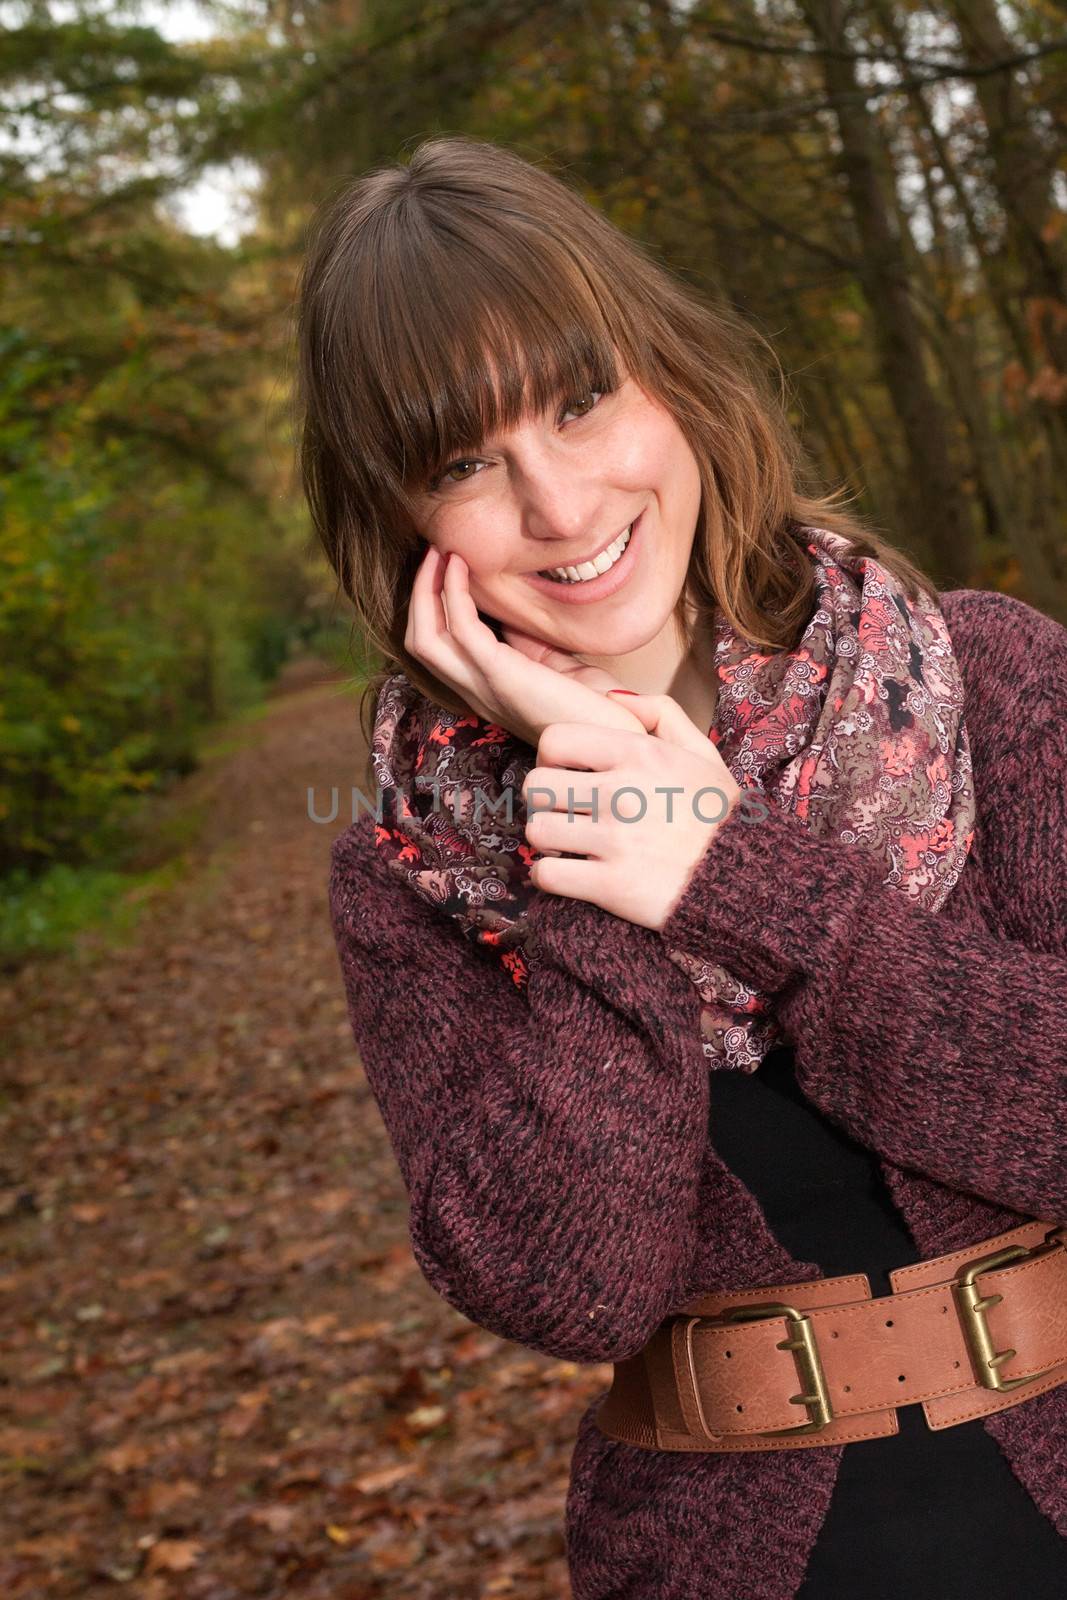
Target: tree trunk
{"points": [[1023, 170], [939, 499]]}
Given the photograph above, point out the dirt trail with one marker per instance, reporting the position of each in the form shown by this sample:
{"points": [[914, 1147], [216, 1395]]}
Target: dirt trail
{"points": [[223, 1375]]}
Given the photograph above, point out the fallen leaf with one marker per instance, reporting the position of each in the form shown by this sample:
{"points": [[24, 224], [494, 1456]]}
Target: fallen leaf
{"points": [[384, 1478], [174, 1555]]}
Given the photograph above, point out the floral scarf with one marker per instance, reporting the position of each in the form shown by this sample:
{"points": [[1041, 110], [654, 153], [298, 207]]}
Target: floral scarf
{"points": [[858, 732]]}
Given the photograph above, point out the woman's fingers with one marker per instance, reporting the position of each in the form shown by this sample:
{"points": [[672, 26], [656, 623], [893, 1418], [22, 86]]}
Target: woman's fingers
{"points": [[429, 636], [552, 832], [539, 650], [663, 716], [426, 614], [505, 671], [448, 635], [464, 623], [524, 689]]}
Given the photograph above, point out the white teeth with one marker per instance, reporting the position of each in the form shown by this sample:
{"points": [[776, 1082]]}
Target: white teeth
{"points": [[591, 569]]}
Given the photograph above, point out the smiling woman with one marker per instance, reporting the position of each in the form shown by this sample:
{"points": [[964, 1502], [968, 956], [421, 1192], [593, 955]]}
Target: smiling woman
{"points": [[487, 365], [576, 528], [545, 471]]}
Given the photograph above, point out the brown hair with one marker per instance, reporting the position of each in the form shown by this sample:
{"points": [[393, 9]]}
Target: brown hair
{"points": [[414, 273]]}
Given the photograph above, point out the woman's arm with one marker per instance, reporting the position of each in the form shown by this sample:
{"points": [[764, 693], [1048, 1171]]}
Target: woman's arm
{"points": [[550, 1139], [943, 1050]]}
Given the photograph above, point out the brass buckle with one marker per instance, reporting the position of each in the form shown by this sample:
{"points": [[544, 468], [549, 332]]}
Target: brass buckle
{"points": [[972, 1308], [805, 1353]]}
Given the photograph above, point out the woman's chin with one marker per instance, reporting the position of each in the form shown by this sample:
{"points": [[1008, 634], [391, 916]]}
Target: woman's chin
{"points": [[576, 630], [595, 644]]}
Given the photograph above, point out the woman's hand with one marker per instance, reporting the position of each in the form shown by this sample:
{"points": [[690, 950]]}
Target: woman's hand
{"points": [[522, 690], [637, 859]]}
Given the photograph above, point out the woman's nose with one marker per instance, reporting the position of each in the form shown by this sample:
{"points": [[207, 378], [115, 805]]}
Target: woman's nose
{"points": [[561, 505]]}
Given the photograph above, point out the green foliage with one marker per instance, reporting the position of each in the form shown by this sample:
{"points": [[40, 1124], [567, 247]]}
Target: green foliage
{"points": [[129, 612], [44, 913], [74, 748]]}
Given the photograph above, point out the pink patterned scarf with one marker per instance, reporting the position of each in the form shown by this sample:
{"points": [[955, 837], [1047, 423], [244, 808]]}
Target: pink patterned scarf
{"points": [[858, 732]]}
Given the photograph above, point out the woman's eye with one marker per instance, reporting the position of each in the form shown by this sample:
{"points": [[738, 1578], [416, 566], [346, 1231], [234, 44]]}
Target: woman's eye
{"points": [[442, 480], [453, 467], [597, 393], [444, 477]]}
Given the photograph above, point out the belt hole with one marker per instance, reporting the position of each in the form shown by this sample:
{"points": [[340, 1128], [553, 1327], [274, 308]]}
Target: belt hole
{"points": [[955, 1363], [944, 1308], [833, 1333], [889, 1322], [900, 1378], [848, 1388], [740, 1408], [729, 1352]]}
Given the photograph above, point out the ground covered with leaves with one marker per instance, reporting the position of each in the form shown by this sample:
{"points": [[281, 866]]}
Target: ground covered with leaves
{"points": [[223, 1374]]}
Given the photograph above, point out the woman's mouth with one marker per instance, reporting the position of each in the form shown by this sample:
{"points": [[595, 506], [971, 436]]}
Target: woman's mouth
{"points": [[594, 580]]}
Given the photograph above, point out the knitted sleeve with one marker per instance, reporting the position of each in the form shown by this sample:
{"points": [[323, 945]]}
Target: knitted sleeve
{"points": [[549, 1138], [943, 1049]]}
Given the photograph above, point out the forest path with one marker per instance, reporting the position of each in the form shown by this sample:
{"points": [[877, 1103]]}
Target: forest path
{"points": [[223, 1374]]}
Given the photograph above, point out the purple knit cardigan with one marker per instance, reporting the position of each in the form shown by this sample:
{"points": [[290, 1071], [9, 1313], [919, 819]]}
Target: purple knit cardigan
{"points": [[564, 1190]]}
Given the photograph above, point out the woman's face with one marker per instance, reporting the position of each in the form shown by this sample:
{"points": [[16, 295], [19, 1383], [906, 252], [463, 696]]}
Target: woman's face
{"points": [[560, 490]]}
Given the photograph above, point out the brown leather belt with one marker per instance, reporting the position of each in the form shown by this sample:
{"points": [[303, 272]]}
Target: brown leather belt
{"points": [[722, 1373]]}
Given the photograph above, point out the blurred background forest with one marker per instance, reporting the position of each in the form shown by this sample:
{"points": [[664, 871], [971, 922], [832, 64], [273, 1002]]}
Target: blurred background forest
{"points": [[880, 186]]}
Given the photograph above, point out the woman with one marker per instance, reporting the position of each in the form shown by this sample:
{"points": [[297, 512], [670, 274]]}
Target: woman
{"points": [[654, 1075]]}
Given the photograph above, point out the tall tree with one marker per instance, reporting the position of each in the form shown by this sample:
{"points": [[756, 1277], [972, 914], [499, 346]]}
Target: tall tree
{"points": [[1023, 165], [939, 495]]}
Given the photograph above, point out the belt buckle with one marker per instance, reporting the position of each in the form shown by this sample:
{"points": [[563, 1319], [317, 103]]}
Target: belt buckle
{"points": [[814, 1393], [972, 1307]]}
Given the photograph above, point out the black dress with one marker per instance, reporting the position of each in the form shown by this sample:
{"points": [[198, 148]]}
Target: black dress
{"points": [[918, 1513]]}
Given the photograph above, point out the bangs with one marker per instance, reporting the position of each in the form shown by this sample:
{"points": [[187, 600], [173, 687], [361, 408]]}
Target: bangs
{"points": [[467, 338]]}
